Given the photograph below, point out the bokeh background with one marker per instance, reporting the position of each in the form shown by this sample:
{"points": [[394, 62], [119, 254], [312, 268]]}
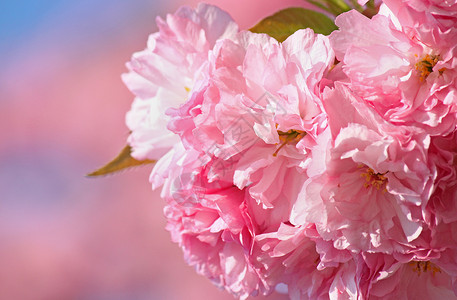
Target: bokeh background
{"points": [[62, 107]]}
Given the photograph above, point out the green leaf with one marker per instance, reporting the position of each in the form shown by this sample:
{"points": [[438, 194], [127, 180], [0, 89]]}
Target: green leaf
{"points": [[285, 22], [335, 7], [123, 161]]}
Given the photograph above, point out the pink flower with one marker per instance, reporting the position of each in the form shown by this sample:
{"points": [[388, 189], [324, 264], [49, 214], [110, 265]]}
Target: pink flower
{"points": [[443, 202], [216, 223], [382, 277], [258, 109], [162, 75], [368, 180], [407, 75], [413, 13], [210, 222], [310, 268], [313, 269]]}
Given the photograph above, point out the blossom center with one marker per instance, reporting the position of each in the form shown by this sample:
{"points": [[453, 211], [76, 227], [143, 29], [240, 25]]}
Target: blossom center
{"points": [[373, 179], [426, 64], [290, 136], [420, 267]]}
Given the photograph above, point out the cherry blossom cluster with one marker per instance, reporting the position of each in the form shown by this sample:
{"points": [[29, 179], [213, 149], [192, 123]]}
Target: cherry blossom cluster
{"points": [[322, 166]]}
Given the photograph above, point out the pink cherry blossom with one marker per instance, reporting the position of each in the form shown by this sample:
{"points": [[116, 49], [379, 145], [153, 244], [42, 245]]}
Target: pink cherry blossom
{"points": [[162, 75], [216, 223], [412, 13], [309, 267], [443, 201], [208, 221], [368, 180], [258, 108], [408, 75], [385, 278]]}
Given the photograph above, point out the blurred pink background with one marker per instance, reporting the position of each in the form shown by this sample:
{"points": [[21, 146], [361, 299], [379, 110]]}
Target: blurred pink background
{"points": [[62, 106]]}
